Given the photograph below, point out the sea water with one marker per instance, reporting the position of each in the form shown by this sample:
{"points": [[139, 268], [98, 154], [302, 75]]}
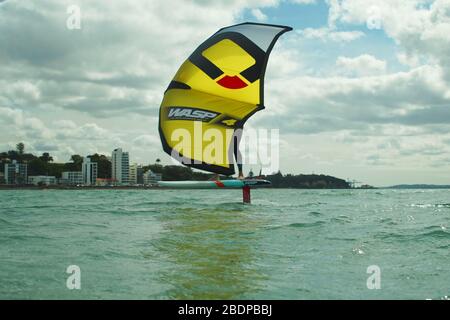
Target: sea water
{"points": [[205, 244]]}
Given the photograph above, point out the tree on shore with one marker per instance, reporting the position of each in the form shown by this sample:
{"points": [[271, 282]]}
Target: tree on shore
{"points": [[103, 165], [20, 148], [75, 164], [76, 159], [306, 181], [46, 157]]}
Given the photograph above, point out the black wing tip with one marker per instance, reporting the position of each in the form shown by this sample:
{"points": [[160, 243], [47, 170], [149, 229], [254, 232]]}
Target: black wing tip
{"points": [[177, 85]]}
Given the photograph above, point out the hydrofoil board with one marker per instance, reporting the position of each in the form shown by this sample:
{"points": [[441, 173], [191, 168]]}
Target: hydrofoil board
{"points": [[215, 184]]}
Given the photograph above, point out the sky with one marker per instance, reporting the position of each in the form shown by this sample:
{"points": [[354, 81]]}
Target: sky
{"points": [[360, 89]]}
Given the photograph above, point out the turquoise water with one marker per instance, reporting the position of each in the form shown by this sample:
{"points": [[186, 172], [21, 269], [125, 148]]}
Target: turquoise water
{"points": [[204, 244]]}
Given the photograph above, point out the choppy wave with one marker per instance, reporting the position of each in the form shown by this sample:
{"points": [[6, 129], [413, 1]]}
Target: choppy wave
{"points": [[436, 232], [306, 224], [5, 222], [429, 205], [341, 219], [301, 225]]}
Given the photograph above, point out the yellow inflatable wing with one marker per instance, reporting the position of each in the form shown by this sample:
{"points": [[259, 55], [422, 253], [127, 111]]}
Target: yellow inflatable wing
{"points": [[213, 94]]}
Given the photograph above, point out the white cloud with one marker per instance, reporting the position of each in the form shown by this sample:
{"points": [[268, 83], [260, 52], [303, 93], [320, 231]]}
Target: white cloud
{"points": [[146, 140], [304, 1], [419, 27], [23, 125], [120, 61], [361, 66], [423, 86], [408, 59], [327, 34], [258, 14], [62, 138]]}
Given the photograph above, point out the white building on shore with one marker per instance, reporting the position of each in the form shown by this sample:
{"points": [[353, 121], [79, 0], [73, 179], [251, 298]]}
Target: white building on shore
{"points": [[16, 173], [71, 177], [136, 174], [120, 167], [42, 180], [87, 176], [89, 171]]}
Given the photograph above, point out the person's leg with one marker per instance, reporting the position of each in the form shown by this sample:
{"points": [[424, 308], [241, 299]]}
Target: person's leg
{"points": [[241, 174], [237, 152]]}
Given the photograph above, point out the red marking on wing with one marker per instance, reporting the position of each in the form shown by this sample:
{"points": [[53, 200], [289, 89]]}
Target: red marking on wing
{"points": [[219, 184], [233, 82]]}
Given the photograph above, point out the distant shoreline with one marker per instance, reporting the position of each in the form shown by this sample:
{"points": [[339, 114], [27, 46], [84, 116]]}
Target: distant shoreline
{"points": [[56, 187], [33, 187]]}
